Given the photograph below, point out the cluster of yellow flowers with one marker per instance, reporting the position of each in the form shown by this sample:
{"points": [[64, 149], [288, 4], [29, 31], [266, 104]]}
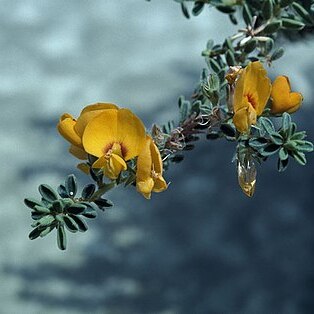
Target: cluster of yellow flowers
{"points": [[114, 136], [252, 91]]}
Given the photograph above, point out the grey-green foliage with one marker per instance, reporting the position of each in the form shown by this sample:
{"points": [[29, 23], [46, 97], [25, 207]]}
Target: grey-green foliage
{"points": [[285, 142], [62, 210]]}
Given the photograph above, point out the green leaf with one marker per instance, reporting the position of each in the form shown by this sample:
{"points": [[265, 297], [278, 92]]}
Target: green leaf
{"points": [[290, 145], [198, 7], [299, 157], [82, 226], [185, 10], [210, 44], [58, 206], [62, 191], [35, 233], [36, 215], [47, 193], [292, 24], [286, 121], [76, 209], [230, 59], [269, 150], [267, 125], [301, 11], [298, 136], [247, 16], [269, 44], [250, 45], [88, 191], [214, 65], [71, 185], [304, 146], [282, 164], [103, 203], [90, 211], [31, 202], [233, 19], [70, 224], [41, 209], [45, 221], [276, 138], [258, 143], [225, 9], [272, 27], [46, 231], [292, 129], [228, 130], [61, 237], [267, 9], [278, 53], [283, 154]]}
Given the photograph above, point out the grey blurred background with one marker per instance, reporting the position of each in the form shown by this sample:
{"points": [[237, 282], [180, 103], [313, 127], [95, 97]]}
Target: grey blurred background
{"points": [[199, 247]]}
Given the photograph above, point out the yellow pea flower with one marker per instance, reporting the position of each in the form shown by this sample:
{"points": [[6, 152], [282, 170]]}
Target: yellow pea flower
{"points": [[283, 100], [149, 170], [252, 90], [72, 130], [114, 136]]}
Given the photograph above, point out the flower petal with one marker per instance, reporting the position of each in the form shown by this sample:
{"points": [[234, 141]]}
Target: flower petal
{"points": [[148, 161], [145, 187], [100, 132], [114, 126], [78, 152], [160, 184], [144, 162], [254, 83], [257, 84], [130, 133], [244, 118], [111, 166], [66, 129], [90, 112], [283, 100]]}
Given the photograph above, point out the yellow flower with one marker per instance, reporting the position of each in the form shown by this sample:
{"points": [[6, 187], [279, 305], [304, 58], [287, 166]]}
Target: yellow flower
{"points": [[252, 90], [72, 130], [283, 100], [114, 136], [149, 170]]}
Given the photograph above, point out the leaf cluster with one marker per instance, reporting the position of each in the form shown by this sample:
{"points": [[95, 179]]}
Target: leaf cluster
{"points": [[63, 210]]}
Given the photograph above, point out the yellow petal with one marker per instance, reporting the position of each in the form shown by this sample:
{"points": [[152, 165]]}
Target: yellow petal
{"points": [[99, 106], [252, 85], [149, 170], [144, 162], [244, 118], [257, 85], [131, 133], [112, 166], [66, 129], [100, 162], [283, 100], [160, 184], [115, 165], [114, 126], [156, 158], [88, 113], [145, 187], [78, 152]]}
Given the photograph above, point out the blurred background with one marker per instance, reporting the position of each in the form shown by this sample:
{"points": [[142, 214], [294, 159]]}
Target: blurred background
{"points": [[200, 247]]}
